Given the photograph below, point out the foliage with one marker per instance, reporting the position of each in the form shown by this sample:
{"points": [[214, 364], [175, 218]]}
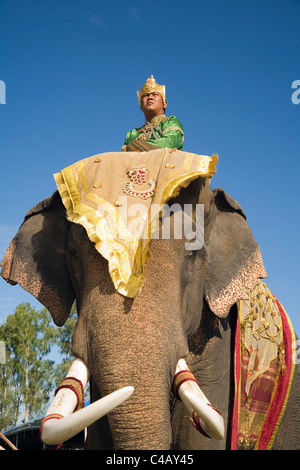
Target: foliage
{"points": [[29, 376], [9, 403]]}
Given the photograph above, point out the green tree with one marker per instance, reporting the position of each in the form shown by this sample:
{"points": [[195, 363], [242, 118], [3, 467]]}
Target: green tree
{"points": [[29, 335], [8, 394]]}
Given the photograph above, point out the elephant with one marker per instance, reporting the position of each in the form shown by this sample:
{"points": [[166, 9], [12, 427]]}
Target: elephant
{"points": [[187, 308]]}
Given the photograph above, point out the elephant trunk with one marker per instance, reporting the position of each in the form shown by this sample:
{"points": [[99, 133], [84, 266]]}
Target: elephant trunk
{"points": [[134, 342], [144, 421], [143, 356]]}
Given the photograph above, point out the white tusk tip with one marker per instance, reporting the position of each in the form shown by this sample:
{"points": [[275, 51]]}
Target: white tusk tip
{"points": [[56, 431], [213, 419]]}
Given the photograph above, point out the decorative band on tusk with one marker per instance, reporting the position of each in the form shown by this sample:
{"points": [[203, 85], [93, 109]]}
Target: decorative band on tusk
{"points": [[76, 386], [214, 408], [52, 416], [181, 377], [196, 423]]}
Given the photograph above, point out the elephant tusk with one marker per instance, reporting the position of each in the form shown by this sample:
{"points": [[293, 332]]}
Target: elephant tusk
{"points": [[67, 397], [211, 421], [55, 431], [60, 422], [204, 416]]}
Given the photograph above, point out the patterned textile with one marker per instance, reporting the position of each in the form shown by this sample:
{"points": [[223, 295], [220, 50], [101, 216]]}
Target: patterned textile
{"points": [[102, 194], [139, 145], [264, 367]]}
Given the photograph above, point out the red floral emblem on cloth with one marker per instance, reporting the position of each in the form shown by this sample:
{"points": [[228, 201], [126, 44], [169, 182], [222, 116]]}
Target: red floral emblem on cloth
{"points": [[138, 175]]}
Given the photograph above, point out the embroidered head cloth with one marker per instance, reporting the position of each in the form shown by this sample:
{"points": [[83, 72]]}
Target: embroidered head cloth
{"points": [[105, 192]]}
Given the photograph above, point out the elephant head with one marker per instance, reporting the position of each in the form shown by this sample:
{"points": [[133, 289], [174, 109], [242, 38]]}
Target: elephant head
{"points": [[136, 341]]}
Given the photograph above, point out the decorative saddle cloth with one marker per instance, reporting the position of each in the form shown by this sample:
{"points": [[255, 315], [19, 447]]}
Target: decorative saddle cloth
{"points": [[265, 357], [104, 192]]}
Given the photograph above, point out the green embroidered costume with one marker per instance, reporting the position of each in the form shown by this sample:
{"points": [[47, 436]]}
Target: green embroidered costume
{"points": [[168, 132], [160, 132]]}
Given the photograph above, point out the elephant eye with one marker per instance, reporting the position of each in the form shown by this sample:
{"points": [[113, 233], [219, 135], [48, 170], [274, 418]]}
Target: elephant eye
{"points": [[191, 254], [72, 252]]}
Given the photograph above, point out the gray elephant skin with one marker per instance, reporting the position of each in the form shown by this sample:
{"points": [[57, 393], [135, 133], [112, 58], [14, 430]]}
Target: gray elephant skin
{"points": [[186, 309]]}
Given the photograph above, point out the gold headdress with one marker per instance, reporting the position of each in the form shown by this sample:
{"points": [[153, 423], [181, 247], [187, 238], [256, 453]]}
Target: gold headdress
{"points": [[152, 86]]}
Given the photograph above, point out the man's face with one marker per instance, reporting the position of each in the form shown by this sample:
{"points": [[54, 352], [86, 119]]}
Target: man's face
{"points": [[152, 103]]}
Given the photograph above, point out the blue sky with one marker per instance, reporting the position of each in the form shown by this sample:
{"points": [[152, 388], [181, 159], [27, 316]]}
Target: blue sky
{"points": [[72, 68]]}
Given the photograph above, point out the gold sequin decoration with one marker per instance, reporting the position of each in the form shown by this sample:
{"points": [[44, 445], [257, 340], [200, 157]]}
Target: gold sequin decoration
{"points": [[170, 165]]}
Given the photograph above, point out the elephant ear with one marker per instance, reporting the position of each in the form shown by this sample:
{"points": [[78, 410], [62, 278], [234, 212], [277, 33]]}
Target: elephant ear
{"points": [[234, 257], [35, 258]]}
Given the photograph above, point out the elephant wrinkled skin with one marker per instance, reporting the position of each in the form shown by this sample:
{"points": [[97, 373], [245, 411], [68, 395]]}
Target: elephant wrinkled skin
{"points": [[186, 309]]}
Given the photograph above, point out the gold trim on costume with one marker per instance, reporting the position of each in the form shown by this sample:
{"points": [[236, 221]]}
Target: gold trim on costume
{"points": [[154, 121], [174, 128]]}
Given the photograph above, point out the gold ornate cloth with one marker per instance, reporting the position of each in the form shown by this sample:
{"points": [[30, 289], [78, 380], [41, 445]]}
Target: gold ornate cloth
{"points": [[117, 197], [263, 369]]}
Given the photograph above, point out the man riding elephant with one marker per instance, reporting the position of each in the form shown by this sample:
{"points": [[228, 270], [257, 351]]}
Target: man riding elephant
{"points": [[159, 131], [161, 326]]}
